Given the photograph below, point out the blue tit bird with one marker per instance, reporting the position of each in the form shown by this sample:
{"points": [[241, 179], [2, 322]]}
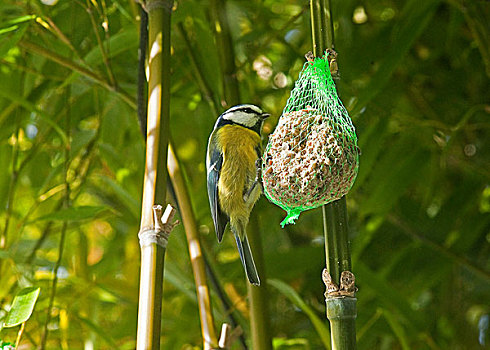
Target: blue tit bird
{"points": [[233, 166]]}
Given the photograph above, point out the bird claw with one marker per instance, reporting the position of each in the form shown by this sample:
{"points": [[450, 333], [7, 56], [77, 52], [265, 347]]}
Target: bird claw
{"points": [[257, 180]]}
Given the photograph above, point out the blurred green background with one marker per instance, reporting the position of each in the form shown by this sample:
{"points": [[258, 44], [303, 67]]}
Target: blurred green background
{"points": [[415, 79]]}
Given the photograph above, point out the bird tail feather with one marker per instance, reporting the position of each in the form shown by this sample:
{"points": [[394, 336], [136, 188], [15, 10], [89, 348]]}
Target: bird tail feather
{"points": [[247, 258]]}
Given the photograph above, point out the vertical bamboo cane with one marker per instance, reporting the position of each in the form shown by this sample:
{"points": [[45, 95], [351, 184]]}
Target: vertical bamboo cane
{"points": [[181, 195], [210, 340], [341, 309], [141, 103], [209, 96], [154, 186], [259, 307], [226, 54]]}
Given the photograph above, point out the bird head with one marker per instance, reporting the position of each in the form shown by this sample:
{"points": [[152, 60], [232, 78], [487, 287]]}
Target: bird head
{"points": [[246, 115]]}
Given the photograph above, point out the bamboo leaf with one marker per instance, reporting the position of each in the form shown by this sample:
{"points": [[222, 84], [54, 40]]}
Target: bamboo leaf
{"points": [[414, 18], [119, 43], [389, 296], [397, 329], [22, 307], [98, 330], [294, 297], [7, 43], [8, 29], [20, 19], [74, 213], [31, 107], [371, 143], [12, 25], [393, 174], [122, 194]]}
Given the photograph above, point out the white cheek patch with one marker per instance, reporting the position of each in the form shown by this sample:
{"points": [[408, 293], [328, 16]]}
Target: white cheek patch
{"points": [[242, 118]]}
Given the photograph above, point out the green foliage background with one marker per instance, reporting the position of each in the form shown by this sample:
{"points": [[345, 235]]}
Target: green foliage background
{"points": [[415, 79]]}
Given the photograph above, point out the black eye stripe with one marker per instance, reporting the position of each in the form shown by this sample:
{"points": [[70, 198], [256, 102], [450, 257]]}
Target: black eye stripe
{"points": [[245, 110]]}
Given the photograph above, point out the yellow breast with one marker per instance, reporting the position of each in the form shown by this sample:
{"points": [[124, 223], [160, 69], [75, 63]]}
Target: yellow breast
{"points": [[238, 170]]}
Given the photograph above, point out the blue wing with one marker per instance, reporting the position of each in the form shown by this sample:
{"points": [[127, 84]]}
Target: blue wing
{"points": [[214, 164]]}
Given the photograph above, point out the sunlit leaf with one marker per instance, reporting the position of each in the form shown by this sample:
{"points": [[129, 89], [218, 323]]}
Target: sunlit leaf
{"points": [[118, 43], [22, 307], [10, 41]]}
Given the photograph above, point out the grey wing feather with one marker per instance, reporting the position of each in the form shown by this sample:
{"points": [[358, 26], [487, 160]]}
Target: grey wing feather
{"points": [[220, 219]]}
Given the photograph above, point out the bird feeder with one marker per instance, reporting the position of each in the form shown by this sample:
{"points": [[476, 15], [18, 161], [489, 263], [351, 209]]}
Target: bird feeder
{"points": [[312, 157]]}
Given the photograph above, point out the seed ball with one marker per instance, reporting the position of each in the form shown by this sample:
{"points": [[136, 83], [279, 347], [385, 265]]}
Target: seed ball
{"points": [[309, 161]]}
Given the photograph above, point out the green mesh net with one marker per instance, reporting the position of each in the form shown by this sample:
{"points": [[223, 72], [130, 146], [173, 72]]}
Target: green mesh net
{"points": [[312, 156]]}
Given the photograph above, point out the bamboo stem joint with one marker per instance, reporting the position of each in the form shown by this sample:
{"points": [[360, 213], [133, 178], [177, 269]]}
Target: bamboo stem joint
{"points": [[228, 336], [342, 313], [347, 285], [155, 4], [341, 310], [162, 226]]}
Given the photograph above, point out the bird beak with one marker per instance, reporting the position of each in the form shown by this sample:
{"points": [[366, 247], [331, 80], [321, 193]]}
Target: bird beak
{"points": [[265, 116]]}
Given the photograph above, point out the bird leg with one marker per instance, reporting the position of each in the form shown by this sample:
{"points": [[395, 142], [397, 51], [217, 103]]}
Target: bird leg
{"points": [[258, 176]]}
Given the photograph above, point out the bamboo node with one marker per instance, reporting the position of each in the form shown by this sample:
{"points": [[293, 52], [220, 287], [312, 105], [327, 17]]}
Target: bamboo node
{"points": [[332, 63], [228, 336], [149, 5], [329, 283], [310, 57], [162, 227], [347, 285], [224, 339]]}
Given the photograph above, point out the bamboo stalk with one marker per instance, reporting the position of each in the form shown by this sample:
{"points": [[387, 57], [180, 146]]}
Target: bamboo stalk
{"points": [[259, 306], [340, 300], [341, 309], [102, 49], [224, 45], [341, 312], [154, 186], [183, 201], [316, 28], [337, 247], [206, 90], [210, 340], [54, 284], [226, 304], [141, 106], [19, 335], [327, 24]]}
